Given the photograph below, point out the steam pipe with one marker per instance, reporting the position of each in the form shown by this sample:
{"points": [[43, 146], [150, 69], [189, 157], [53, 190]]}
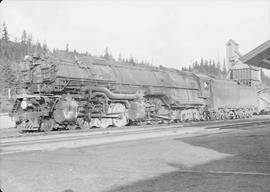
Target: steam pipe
{"points": [[111, 95], [107, 99]]}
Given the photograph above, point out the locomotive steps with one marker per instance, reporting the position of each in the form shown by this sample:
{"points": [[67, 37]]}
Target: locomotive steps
{"points": [[81, 139]]}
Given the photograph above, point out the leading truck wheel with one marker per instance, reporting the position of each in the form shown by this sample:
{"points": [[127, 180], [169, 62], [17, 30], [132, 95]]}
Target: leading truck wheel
{"points": [[25, 126], [47, 125]]}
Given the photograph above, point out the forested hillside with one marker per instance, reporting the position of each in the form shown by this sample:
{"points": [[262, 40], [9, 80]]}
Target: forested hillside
{"points": [[209, 67], [11, 53]]}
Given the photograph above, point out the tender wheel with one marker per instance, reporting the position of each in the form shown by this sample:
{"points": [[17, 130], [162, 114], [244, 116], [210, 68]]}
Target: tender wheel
{"points": [[183, 117], [217, 117], [222, 117]]}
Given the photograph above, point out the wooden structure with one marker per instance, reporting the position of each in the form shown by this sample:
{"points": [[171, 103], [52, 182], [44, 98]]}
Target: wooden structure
{"points": [[259, 57]]}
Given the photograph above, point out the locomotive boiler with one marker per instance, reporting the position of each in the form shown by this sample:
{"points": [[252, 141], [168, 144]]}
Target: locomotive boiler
{"points": [[90, 92]]}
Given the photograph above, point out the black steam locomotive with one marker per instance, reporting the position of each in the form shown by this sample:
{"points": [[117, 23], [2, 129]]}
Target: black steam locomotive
{"points": [[90, 92]]}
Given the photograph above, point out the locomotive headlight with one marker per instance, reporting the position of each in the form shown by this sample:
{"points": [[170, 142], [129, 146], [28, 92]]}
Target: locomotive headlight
{"points": [[24, 104]]}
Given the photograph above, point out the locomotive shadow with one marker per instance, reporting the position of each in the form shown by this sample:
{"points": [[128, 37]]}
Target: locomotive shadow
{"points": [[197, 179], [217, 175]]}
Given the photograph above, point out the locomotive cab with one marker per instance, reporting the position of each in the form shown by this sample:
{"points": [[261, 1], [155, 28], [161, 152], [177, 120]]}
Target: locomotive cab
{"points": [[205, 85]]}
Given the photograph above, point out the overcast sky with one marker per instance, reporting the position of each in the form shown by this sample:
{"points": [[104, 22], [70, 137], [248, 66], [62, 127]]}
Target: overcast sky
{"points": [[169, 33]]}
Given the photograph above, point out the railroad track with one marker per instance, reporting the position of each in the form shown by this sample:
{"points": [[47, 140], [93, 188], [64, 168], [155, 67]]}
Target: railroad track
{"points": [[134, 129], [13, 133], [81, 139]]}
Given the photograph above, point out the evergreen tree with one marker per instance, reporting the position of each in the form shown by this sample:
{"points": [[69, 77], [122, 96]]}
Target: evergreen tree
{"points": [[24, 37], [201, 62], [44, 47], [37, 49], [218, 64], [131, 60], [67, 47], [29, 40], [224, 70], [206, 66], [5, 35], [106, 54], [119, 57]]}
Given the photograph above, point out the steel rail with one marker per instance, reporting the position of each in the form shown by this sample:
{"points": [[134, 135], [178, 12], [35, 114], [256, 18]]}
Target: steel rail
{"points": [[122, 132], [209, 124]]}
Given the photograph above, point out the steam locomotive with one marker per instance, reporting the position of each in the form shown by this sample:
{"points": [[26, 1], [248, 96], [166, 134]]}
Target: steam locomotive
{"points": [[89, 91]]}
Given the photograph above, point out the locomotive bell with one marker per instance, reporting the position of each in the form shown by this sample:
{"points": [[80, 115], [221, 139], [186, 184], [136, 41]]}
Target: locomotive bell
{"points": [[66, 110]]}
